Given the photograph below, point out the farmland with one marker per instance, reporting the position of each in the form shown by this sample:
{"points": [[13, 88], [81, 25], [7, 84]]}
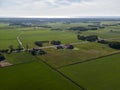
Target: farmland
{"points": [[88, 66], [101, 74], [33, 76]]}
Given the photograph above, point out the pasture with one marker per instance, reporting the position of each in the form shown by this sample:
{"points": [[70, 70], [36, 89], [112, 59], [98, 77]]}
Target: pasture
{"points": [[7, 38], [81, 52], [32, 75], [100, 74]]}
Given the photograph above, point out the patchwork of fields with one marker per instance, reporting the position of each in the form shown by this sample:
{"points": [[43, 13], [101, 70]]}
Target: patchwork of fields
{"points": [[89, 66]]}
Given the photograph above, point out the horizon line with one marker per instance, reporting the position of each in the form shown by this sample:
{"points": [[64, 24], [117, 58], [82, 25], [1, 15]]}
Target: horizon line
{"points": [[59, 16]]}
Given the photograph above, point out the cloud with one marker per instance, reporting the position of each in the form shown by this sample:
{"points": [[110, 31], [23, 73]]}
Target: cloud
{"points": [[59, 8]]}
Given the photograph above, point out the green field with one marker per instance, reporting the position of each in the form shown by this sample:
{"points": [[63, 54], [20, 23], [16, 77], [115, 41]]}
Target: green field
{"points": [[8, 37], [29, 37], [61, 69], [101, 74], [33, 76], [21, 57]]}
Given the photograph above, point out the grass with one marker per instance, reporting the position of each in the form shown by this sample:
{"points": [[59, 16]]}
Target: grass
{"points": [[106, 33], [33, 76], [29, 37], [82, 52], [67, 26], [7, 38], [21, 57], [101, 74]]}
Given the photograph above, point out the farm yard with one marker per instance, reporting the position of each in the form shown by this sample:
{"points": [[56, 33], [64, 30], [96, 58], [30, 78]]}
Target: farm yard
{"points": [[44, 66]]}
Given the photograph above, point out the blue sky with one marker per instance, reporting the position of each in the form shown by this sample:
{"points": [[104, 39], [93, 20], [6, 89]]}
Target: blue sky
{"points": [[59, 8]]}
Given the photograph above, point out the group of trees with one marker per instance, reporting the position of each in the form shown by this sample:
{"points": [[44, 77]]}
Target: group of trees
{"points": [[103, 41], [115, 45], [97, 26], [11, 49], [37, 52], [2, 57], [21, 24], [90, 38], [56, 29], [83, 28], [4, 50], [112, 44], [18, 49], [40, 43]]}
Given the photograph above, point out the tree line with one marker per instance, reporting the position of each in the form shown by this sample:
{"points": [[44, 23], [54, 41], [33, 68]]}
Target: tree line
{"points": [[83, 28], [112, 44], [90, 38]]}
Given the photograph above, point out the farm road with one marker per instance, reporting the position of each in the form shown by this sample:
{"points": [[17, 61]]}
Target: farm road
{"points": [[19, 41], [45, 47]]}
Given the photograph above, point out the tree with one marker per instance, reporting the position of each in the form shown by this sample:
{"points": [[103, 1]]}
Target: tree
{"points": [[39, 43], [92, 38], [19, 48], [2, 57], [103, 41], [79, 37], [11, 48], [115, 45]]}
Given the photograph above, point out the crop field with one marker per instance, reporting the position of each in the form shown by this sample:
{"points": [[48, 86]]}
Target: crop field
{"points": [[100, 74]]}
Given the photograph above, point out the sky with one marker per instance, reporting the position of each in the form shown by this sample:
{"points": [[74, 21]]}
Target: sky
{"points": [[59, 8]]}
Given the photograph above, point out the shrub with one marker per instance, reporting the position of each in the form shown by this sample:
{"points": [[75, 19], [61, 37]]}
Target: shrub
{"points": [[115, 45], [2, 57], [39, 43], [103, 42]]}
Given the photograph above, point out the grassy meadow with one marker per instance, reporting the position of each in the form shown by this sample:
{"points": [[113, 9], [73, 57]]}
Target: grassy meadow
{"points": [[100, 74], [33, 76], [29, 37]]}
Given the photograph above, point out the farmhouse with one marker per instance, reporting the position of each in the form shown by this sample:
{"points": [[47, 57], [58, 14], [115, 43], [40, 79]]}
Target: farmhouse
{"points": [[68, 46]]}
